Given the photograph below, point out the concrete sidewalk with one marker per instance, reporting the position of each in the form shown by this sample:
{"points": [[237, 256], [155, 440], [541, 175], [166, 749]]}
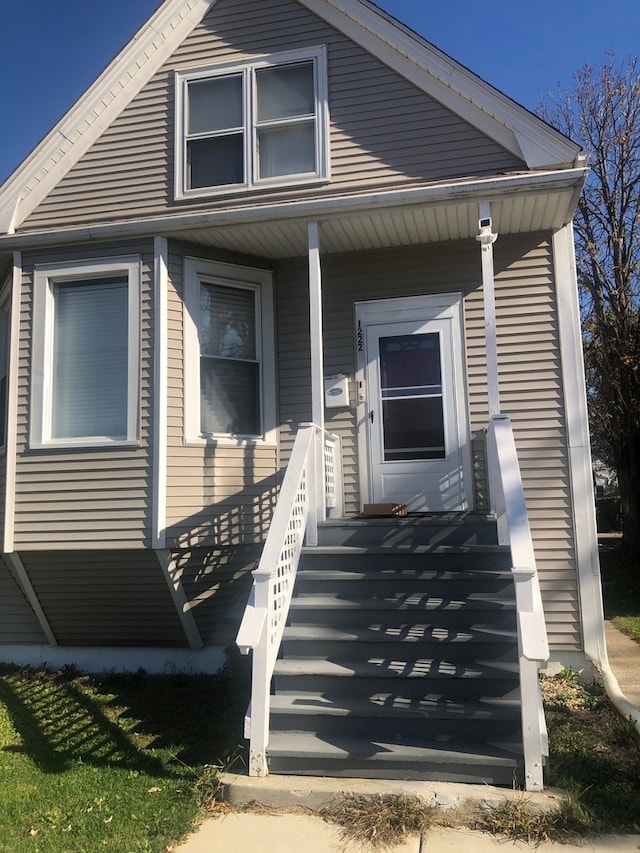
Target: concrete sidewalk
{"points": [[624, 659], [288, 833]]}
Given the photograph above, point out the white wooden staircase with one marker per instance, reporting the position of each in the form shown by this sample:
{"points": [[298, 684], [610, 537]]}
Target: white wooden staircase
{"points": [[397, 648], [400, 656]]}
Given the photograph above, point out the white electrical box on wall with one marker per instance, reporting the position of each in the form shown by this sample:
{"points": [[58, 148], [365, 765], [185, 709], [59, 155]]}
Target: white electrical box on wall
{"points": [[336, 391]]}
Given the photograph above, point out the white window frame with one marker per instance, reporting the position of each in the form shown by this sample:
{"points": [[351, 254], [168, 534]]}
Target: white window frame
{"points": [[318, 55], [45, 279], [228, 275]]}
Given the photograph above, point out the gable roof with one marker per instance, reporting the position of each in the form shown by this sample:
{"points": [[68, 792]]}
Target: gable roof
{"points": [[494, 114]]}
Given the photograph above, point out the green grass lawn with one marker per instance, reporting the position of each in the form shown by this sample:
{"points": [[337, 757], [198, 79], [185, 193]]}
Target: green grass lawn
{"points": [[113, 763], [621, 589]]}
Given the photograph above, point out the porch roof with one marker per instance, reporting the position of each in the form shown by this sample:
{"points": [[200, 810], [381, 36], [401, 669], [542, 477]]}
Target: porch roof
{"points": [[526, 202]]}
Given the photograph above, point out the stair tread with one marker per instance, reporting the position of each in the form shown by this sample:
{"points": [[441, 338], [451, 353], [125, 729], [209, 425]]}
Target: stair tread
{"points": [[394, 706], [385, 668], [312, 746], [403, 574], [306, 600], [413, 633], [356, 550]]}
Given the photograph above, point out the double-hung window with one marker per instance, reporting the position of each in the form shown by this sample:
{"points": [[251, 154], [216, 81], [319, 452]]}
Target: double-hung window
{"points": [[85, 377], [228, 352], [260, 123]]}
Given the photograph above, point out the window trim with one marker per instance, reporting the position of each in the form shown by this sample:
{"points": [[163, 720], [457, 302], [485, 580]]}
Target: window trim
{"points": [[229, 275], [45, 279], [318, 55]]}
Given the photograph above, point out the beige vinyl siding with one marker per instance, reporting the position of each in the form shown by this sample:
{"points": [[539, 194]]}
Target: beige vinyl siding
{"points": [[531, 392], [384, 131], [531, 388], [220, 494], [18, 623], [217, 582], [105, 598], [85, 497]]}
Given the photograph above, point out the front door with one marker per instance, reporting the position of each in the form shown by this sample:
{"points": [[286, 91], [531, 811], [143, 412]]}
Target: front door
{"points": [[412, 403]]}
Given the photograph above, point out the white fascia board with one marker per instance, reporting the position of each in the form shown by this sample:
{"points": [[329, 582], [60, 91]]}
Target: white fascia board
{"points": [[482, 189], [464, 93], [118, 84]]}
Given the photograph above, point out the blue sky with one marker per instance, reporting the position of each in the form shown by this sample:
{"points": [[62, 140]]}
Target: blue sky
{"points": [[51, 52]]}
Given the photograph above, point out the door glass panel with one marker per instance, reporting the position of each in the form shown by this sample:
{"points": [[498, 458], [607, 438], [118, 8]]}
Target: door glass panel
{"points": [[411, 390]]}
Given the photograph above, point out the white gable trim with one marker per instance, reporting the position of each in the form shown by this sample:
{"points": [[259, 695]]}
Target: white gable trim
{"points": [[119, 83], [491, 112], [494, 114]]}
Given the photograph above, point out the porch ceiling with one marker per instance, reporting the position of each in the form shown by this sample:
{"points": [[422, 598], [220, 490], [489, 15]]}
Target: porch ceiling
{"points": [[406, 223]]}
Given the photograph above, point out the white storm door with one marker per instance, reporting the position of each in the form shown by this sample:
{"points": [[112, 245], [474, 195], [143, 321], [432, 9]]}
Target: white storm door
{"points": [[414, 412]]}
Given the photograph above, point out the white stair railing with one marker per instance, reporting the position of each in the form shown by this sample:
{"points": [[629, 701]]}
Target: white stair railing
{"points": [[312, 485], [508, 503]]}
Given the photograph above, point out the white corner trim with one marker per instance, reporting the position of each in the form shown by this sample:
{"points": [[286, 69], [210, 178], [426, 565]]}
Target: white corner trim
{"points": [[160, 392], [119, 83], [180, 600], [12, 405], [502, 119], [30, 594], [575, 404]]}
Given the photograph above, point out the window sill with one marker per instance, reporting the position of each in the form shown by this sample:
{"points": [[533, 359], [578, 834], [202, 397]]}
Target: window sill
{"points": [[244, 189], [229, 441], [82, 444]]}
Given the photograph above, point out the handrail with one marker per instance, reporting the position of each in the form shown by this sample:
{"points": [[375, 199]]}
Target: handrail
{"points": [[312, 482], [508, 503]]}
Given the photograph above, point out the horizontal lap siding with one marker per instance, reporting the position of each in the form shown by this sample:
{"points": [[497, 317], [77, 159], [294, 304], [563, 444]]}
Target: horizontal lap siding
{"points": [[531, 393], [384, 131], [105, 598], [224, 494], [66, 498], [18, 623]]}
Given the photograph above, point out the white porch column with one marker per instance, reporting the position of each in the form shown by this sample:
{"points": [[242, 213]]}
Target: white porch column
{"points": [[487, 238], [317, 365], [315, 324]]}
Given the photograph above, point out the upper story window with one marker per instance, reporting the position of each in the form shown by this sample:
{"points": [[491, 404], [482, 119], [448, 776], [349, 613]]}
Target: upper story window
{"points": [[251, 125], [85, 376]]}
